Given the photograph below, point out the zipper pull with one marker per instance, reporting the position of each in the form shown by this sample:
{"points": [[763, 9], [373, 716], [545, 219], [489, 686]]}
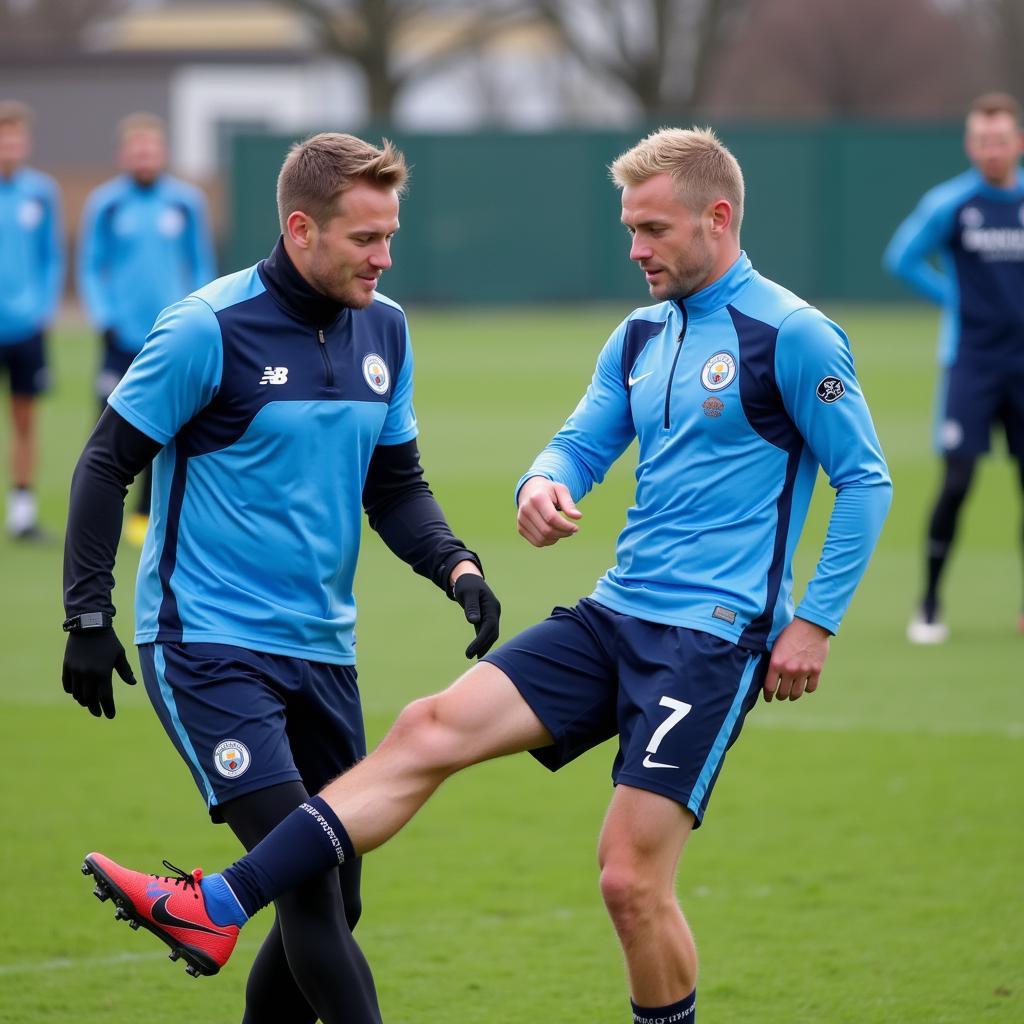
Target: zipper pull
{"points": [[320, 336]]}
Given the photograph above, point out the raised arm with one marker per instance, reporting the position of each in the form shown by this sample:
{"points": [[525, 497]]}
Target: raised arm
{"points": [[579, 455]]}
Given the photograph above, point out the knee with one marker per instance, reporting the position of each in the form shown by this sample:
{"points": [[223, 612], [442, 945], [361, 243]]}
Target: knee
{"points": [[629, 895], [423, 734]]}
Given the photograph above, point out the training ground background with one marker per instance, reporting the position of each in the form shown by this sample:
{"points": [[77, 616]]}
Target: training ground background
{"points": [[862, 856]]}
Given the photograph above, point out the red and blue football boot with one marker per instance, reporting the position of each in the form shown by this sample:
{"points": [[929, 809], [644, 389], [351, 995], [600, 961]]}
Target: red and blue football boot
{"points": [[170, 906]]}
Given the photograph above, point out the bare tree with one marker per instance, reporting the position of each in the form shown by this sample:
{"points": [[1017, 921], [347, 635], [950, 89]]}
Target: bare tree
{"points": [[396, 41], [36, 26], [1002, 24], [872, 58], [659, 51]]}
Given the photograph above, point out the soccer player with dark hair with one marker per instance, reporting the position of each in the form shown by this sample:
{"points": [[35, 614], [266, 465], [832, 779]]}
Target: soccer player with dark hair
{"points": [[31, 277], [144, 244], [738, 392], [974, 224], [277, 405]]}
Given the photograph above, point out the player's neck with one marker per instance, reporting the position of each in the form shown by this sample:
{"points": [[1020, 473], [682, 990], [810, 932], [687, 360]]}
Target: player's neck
{"points": [[1006, 181]]}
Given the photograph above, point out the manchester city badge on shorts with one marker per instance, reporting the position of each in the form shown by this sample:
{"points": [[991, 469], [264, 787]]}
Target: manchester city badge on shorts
{"points": [[231, 758], [718, 371], [375, 372]]}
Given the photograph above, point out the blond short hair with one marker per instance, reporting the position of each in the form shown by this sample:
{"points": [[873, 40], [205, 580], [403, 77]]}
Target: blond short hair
{"points": [[141, 121], [317, 171], [15, 112], [702, 169]]}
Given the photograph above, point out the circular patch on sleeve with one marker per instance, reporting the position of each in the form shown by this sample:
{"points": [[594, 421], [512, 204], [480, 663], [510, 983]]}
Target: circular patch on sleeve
{"points": [[830, 390], [231, 758], [375, 372]]}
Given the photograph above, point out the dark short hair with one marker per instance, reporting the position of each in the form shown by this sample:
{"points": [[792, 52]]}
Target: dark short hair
{"points": [[321, 168], [996, 103], [15, 112]]}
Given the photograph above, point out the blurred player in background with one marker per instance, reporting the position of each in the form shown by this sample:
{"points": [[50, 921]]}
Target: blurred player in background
{"points": [[277, 403], [31, 277], [145, 243], [974, 225], [737, 391]]}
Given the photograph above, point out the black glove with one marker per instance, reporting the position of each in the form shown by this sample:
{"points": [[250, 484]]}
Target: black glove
{"points": [[90, 658], [109, 336], [482, 609]]}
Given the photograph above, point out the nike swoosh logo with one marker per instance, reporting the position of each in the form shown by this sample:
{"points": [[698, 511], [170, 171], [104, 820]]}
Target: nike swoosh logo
{"points": [[648, 763], [636, 380], [162, 915]]}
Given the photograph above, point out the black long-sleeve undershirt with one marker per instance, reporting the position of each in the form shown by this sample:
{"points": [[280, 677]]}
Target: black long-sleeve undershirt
{"points": [[397, 499]]}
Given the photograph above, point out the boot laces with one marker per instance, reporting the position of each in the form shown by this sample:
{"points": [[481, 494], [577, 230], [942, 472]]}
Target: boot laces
{"points": [[189, 880]]}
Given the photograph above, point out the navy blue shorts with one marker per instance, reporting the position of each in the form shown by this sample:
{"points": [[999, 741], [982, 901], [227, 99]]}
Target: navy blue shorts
{"points": [[676, 697], [113, 366], [25, 361], [973, 398], [243, 720]]}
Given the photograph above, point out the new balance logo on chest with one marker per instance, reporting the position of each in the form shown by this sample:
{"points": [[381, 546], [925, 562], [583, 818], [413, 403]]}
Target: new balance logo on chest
{"points": [[275, 375]]}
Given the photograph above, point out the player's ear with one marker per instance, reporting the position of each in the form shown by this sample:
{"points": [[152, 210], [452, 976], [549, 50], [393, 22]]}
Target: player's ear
{"points": [[720, 212], [301, 229]]}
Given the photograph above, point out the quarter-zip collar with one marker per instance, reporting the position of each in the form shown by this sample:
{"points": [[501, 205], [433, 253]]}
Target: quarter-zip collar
{"points": [[294, 294], [722, 292]]}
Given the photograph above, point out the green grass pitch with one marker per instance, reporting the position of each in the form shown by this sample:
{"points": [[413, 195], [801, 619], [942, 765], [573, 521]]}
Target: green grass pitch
{"points": [[863, 853]]}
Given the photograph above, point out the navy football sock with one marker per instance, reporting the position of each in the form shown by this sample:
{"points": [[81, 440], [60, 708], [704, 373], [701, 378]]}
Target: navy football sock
{"points": [[683, 1012], [309, 841]]}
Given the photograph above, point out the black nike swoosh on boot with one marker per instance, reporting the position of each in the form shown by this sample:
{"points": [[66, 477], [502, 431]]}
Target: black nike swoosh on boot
{"points": [[162, 915]]}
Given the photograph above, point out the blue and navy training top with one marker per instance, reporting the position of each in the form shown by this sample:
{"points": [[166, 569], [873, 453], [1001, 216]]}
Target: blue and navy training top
{"points": [[141, 248], [31, 254], [977, 232], [737, 394], [269, 410]]}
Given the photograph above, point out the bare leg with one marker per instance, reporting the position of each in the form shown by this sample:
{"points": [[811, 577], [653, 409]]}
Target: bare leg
{"points": [[641, 842], [23, 447], [480, 716]]}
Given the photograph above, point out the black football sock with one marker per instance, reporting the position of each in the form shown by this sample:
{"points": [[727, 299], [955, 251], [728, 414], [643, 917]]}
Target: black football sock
{"points": [[683, 1012], [959, 471]]}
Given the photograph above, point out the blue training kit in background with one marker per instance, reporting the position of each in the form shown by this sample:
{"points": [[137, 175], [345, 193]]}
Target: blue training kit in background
{"points": [[977, 232], [142, 248], [737, 394], [31, 254], [268, 424]]}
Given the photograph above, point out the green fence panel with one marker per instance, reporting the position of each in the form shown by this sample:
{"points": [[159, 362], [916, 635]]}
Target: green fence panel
{"points": [[502, 217]]}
